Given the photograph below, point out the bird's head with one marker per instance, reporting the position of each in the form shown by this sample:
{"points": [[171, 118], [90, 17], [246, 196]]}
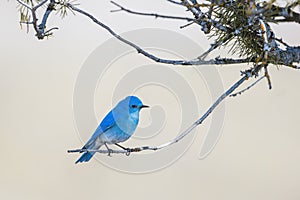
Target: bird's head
{"points": [[134, 104]]}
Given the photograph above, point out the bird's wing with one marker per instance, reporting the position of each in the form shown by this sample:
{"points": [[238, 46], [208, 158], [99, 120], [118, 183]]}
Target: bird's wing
{"points": [[107, 123]]}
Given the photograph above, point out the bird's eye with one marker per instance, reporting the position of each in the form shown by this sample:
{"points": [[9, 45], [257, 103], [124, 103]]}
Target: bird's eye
{"points": [[134, 106]]}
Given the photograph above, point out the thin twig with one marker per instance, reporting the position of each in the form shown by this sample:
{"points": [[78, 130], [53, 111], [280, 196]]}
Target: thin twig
{"points": [[282, 42], [46, 15], [268, 77], [214, 46], [150, 14], [39, 5], [186, 25], [175, 2], [24, 4], [247, 88], [288, 14], [217, 44], [204, 20]]}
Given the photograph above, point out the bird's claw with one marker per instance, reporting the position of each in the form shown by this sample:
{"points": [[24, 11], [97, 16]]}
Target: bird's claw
{"points": [[128, 152], [110, 151]]}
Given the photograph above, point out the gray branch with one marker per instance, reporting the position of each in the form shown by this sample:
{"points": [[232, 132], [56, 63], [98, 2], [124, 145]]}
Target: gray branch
{"points": [[288, 14], [175, 2], [42, 25], [247, 88], [41, 33], [196, 61], [287, 57], [122, 8], [245, 76]]}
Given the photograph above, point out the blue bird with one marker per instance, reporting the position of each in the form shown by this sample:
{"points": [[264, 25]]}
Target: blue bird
{"points": [[117, 126]]}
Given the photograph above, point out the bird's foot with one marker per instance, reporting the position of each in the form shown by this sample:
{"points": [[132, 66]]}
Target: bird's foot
{"points": [[124, 148], [110, 151], [128, 151]]}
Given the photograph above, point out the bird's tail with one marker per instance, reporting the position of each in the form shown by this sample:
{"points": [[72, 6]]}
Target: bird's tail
{"points": [[85, 157]]}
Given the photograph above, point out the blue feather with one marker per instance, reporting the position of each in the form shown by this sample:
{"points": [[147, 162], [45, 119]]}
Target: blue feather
{"points": [[117, 126], [85, 157]]}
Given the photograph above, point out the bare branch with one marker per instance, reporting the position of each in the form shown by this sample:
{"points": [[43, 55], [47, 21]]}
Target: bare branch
{"points": [[281, 41], [175, 2], [39, 29], [150, 14], [288, 14], [39, 5], [39, 32], [216, 61], [186, 25], [247, 88], [42, 25], [246, 75], [246, 34], [25, 5], [268, 77]]}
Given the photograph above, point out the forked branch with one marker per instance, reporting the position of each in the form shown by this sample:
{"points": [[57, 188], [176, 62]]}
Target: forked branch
{"points": [[196, 61]]}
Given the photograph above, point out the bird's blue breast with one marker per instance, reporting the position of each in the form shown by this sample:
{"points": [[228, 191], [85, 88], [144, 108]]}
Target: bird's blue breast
{"points": [[118, 126]]}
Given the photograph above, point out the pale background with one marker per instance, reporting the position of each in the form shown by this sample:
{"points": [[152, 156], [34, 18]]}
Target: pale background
{"points": [[257, 157]]}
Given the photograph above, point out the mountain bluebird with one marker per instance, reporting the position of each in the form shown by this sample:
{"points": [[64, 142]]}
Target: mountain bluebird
{"points": [[117, 126]]}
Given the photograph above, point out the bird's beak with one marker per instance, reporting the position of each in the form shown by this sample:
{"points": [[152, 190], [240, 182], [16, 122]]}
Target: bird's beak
{"points": [[145, 106]]}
